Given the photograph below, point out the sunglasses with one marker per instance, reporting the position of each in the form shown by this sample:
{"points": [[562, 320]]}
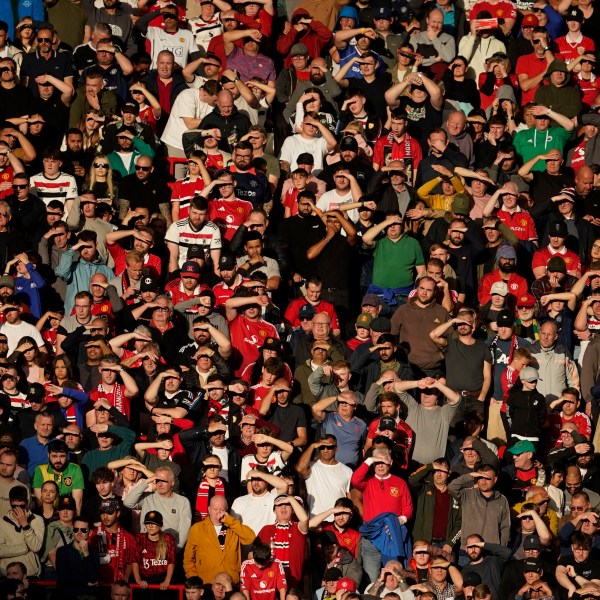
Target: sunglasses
{"points": [[44, 40], [342, 402], [326, 447], [22, 186], [101, 165], [140, 168], [80, 529]]}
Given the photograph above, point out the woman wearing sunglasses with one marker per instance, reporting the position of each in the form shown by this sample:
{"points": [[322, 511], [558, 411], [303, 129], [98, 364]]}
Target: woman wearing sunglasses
{"points": [[101, 180]]}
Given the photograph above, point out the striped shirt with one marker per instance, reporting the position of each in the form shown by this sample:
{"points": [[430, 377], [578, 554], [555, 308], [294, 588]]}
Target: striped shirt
{"points": [[62, 187], [184, 191], [204, 31], [184, 235]]}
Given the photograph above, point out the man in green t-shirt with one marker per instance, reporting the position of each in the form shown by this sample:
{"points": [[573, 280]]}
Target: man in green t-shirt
{"points": [[397, 257], [68, 476]]}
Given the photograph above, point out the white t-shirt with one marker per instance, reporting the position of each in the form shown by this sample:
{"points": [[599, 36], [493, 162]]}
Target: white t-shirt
{"points": [[181, 44], [223, 454], [255, 511], [187, 104], [325, 484], [331, 200], [181, 233], [15, 332], [295, 145]]}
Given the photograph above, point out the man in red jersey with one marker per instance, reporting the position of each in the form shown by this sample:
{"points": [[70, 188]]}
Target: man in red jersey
{"points": [[231, 279], [248, 330], [228, 212], [263, 577]]}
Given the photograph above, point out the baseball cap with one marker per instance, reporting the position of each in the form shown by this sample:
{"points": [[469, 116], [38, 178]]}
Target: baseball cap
{"points": [[149, 284], [190, 269], [332, 574], [532, 564], [499, 288], [522, 446], [528, 374], [381, 324], [532, 542], [271, 343], [530, 21], [328, 538], [196, 252], [557, 265], [526, 300], [8, 281], [383, 12], [574, 14], [349, 143], [131, 107], [387, 423], [364, 320], [558, 229], [505, 319], [36, 393], [299, 50], [461, 205], [307, 311], [346, 584], [109, 506], [370, 300], [67, 502], [306, 158], [153, 516], [227, 262]]}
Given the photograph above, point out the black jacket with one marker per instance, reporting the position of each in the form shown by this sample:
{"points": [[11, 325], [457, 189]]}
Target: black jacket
{"points": [[236, 125]]}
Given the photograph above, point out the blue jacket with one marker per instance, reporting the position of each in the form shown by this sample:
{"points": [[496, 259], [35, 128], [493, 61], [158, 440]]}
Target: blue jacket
{"points": [[77, 274], [388, 536], [28, 290], [25, 8]]}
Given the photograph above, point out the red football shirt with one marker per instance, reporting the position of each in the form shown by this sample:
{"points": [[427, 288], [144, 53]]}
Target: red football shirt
{"points": [[262, 584]]}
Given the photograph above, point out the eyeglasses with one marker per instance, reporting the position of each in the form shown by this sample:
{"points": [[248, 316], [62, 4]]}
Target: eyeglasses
{"points": [[22, 186], [140, 168], [44, 40], [101, 165], [80, 529], [577, 508]]}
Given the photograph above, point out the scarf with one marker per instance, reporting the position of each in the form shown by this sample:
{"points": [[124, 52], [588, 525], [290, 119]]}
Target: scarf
{"points": [[115, 397], [396, 147], [202, 496]]}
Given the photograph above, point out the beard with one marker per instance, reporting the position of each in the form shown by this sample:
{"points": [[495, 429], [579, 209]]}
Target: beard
{"points": [[59, 468], [508, 268], [317, 78]]}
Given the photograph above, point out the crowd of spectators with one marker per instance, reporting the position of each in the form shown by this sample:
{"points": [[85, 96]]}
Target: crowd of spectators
{"points": [[299, 300]]}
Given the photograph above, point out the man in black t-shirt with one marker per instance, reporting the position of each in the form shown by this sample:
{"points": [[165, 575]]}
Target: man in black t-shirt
{"points": [[290, 418], [573, 570]]}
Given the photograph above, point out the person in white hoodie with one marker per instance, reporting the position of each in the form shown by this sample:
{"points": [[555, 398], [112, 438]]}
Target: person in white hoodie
{"points": [[478, 45]]}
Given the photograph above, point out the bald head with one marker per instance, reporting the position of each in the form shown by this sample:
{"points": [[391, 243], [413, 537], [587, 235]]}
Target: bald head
{"points": [[225, 102]]}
